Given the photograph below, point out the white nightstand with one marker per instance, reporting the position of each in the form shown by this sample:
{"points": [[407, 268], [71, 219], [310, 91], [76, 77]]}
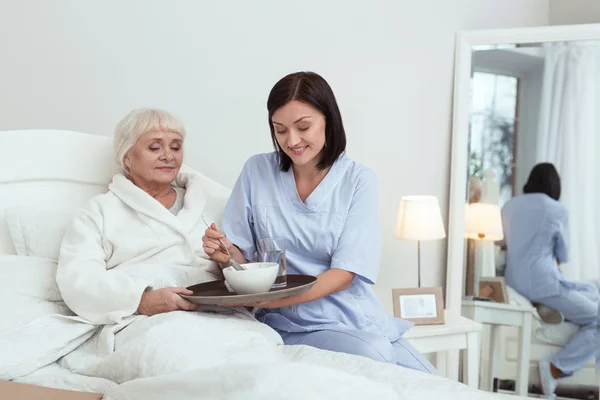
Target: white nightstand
{"points": [[496, 314], [455, 334]]}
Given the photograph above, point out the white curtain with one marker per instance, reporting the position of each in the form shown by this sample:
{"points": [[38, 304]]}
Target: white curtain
{"points": [[569, 137]]}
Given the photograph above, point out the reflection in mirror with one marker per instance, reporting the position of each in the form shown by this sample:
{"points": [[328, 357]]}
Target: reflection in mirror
{"points": [[534, 140]]}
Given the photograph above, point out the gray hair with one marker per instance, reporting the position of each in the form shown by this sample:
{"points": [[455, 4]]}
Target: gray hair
{"points": [[137, 123]]}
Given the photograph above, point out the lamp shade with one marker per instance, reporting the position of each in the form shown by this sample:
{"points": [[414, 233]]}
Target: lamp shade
{"points": [[419, 218], [483, 222]]}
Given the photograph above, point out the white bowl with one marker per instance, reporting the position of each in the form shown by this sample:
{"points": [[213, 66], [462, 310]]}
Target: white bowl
{"points": [[257, 278]]}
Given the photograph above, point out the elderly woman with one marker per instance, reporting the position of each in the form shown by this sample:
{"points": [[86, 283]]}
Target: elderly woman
{"points": [[150, 217]]}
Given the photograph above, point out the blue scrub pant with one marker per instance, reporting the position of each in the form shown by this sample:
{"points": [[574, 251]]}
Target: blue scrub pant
{"points": [[578, 302], [598, 338], [365, 344]]}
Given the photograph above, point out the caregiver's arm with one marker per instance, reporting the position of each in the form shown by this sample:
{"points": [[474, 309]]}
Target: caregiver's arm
{"points": [[331, 281]]}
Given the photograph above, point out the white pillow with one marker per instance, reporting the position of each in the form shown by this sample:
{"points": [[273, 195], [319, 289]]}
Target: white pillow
{"points": [[37, 232], [34, 326], [28, 290]]}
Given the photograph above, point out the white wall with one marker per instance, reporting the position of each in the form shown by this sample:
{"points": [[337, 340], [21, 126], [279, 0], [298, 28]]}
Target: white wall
{"points": [[83, 65], [564, 12]]}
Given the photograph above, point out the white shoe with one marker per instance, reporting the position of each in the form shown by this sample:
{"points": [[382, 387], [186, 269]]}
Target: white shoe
{"points": [[548, 382]]}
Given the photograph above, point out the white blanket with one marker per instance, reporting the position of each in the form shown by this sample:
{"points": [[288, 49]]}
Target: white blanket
{"points": [[182, 355], [130, 348]]}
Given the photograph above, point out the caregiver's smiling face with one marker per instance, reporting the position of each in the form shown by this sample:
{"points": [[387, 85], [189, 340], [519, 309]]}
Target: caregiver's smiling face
{"points": [[300, 132]]}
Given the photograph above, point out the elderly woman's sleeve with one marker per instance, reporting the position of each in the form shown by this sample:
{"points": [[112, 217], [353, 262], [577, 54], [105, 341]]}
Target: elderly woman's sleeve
{"points": [[99, 295], [238, 223]]}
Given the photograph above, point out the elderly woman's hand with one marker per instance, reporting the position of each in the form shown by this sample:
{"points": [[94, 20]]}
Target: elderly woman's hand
{"points": [[213, 247], [165, 300]]}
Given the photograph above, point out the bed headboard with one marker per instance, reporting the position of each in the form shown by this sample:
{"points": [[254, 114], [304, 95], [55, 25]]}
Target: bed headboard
{"points": [[56, 170]]}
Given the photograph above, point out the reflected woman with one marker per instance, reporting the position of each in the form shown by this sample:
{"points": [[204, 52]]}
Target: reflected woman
{"points": [[536, 237]]}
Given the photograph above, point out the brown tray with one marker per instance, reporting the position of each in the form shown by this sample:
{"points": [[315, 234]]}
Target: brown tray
{"points": [[216, 293]]}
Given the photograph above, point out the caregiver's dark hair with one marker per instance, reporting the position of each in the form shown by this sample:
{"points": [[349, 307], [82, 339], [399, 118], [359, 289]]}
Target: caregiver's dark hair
{"points": [[543, 178], [309, 88]]}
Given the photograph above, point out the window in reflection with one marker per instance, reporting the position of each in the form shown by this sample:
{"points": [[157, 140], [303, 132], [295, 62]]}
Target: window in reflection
{"points": [[493, 123]]}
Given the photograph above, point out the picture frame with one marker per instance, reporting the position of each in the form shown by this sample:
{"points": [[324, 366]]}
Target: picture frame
{"points": [[423, 306], [493, 287]]}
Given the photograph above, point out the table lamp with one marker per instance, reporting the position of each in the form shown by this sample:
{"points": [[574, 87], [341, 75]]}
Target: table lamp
{"points": [[419, 218], [483, 222]]}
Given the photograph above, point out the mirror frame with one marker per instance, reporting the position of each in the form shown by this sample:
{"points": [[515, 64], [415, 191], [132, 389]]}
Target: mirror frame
{"points": [[465, 40]]}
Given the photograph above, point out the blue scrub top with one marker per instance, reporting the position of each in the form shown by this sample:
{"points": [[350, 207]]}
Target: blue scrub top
{"points": [[337, 226], [535, 233]]}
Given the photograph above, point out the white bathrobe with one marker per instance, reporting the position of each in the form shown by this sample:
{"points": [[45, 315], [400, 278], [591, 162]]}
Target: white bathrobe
{"points": [[116, 244]]}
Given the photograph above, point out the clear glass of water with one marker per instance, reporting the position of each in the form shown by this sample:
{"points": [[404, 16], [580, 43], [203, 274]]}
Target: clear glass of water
{"points": [[273, 250]]}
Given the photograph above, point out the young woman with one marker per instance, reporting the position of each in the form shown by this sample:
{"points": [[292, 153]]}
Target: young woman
{"points": [[326, 207]]}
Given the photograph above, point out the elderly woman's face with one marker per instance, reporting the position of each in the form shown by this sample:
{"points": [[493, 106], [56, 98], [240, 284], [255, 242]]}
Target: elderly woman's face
{"points": [[156, 158]]}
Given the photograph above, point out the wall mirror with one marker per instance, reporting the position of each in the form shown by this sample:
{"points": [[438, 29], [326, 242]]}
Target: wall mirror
{"points": [[521, 97]]}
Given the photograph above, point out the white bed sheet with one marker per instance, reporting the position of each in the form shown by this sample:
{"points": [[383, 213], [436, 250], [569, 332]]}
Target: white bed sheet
{"points": [[55, 376], [381, 381], [334, 376]]}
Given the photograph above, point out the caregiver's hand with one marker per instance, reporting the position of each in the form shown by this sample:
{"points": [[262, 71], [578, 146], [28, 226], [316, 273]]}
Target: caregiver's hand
{"points": [[164, 300]]}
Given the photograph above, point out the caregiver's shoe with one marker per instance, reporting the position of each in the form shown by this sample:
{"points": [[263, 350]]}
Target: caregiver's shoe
{"points": [[548, 382]]}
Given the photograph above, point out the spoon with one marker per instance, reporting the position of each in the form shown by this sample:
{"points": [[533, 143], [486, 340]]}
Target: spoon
{"points": [[237, 266]]}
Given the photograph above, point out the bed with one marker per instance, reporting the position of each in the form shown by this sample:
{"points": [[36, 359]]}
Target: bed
{"points": [[45, 176]]}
